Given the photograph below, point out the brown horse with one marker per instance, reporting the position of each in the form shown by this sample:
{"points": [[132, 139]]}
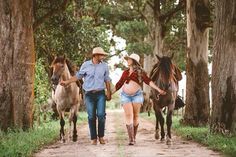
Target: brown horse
{"points": [[65, 97], [166, 75]]}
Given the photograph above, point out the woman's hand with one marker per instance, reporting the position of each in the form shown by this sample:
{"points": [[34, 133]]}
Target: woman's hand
{"points": [[162, 92], [113, 92]]}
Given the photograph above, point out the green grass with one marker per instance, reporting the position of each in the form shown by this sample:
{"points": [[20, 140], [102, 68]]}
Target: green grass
{"points": [[19, 143], [224, 144]]}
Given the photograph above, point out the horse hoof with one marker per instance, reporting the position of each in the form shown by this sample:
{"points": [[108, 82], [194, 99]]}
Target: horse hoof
{"points": [[157, 136], [169, 141], [162, 139], [74, 138]]}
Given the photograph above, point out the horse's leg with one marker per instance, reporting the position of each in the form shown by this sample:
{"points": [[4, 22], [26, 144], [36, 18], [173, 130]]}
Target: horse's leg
{"points": [[169, 123], [157, 126], [161, 119], [74, 125], [169, 119], [62, 123]]}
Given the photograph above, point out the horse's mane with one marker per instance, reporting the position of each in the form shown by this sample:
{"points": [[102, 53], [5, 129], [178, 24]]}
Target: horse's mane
{"points": [[71, 67], [163, 68], [173, 72]]}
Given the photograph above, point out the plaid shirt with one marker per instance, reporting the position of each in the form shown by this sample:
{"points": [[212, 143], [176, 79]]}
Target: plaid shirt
{"points": [[125, 78]]}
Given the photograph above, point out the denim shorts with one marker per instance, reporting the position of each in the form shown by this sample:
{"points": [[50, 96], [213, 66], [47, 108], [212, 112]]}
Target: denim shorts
{"points": [[136, 98]]}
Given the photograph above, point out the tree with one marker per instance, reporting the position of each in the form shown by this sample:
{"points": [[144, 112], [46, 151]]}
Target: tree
{"points": [[197, 89], [17, 62], [224, 68]]}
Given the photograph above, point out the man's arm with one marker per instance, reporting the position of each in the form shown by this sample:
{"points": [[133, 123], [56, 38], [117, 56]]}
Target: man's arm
{"points": [[108, 86], [72, 79]]}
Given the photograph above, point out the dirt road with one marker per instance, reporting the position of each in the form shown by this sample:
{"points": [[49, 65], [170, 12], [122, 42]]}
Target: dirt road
{"points": [[146, 145]]}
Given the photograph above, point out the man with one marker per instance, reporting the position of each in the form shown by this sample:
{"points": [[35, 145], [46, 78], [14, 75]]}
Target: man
{"points": [[95, 72]]}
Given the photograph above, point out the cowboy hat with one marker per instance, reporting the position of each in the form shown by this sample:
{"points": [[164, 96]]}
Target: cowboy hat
{"points": [[99, 50], [133, 56]]}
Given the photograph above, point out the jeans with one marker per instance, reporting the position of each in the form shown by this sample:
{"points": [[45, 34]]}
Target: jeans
{"points": [[95, 104], [136, 98]]}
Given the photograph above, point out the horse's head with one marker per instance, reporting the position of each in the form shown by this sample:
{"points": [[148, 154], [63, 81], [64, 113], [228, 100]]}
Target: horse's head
{"points": [[166, 69], [58, 67]]}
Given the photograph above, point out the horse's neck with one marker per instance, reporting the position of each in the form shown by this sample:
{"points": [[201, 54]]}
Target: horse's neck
{"points": [[66, 74]]}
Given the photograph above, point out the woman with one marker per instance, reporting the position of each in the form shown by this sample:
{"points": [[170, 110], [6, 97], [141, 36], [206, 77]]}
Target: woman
{"points": [[132, 94]]}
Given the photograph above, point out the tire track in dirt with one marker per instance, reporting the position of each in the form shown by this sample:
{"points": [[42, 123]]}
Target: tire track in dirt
{"points": [[117, 140]]}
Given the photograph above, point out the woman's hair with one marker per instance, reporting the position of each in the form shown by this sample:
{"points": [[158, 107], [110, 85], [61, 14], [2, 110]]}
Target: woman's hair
{"points": [[139, 70]]}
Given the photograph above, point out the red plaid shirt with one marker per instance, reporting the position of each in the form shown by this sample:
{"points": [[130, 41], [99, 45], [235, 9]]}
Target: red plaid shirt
{"points": [[125, 78]]}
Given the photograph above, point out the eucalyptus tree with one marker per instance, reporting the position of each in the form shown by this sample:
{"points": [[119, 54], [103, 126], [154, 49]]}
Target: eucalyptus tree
{"points": [[149, 27], [197, 88], [223, 117], [17, 62]]}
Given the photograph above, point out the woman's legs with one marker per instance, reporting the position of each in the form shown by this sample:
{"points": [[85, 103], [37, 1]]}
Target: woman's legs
{"points": [[129, 116], [128, 110], [136, 110]]}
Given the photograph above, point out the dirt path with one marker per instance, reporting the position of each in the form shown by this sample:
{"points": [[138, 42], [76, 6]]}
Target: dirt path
{"points": [[117, 146]]}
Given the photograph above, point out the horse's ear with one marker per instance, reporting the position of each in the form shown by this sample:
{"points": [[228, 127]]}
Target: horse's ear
{"points": [[64, 56], [159, 58], [171, 57]]}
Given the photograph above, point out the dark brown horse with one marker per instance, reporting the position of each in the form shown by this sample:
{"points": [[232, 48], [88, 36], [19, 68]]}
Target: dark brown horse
{"points": [[65, 97], [166, 75]]}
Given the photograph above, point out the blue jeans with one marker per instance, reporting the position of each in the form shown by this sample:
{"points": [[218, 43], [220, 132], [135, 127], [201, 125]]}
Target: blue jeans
{"points": [[95, 104]]}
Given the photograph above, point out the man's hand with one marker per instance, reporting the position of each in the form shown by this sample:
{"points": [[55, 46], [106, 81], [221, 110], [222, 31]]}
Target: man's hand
{"points": [[63, 83], [108, 95]]}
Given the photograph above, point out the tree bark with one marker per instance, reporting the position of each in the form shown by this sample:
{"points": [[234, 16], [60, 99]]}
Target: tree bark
{"points": [[17, 62], [197, 88], [224, 68]]}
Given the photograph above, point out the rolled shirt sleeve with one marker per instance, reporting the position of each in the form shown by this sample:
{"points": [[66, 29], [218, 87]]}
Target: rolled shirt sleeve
{"points": [[81, 73], [106, 76]]}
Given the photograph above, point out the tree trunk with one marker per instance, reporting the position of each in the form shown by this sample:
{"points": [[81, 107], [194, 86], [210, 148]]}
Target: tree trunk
{"points": [[17, 62], [197, 89], [155, 37], [224, 68]]}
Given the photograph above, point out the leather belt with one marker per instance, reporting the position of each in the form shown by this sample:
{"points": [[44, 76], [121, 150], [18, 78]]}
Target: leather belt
{"points": [[94, 91]]}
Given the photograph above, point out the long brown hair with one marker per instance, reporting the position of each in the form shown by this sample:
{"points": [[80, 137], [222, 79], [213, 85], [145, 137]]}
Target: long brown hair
{"points": [[137, 67]]}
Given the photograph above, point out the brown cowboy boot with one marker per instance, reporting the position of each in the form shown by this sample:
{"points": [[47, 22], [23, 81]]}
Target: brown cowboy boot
{"points": [[135, 132], [130, 129]]}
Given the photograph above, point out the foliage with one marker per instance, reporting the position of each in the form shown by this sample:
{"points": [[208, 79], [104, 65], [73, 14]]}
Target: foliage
{"points": [[20, 143], [67, 33], [225, 144], [41, 85]]}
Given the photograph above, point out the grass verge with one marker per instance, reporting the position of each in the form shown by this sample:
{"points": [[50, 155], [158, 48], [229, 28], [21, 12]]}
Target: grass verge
{"points": [[224, 144], [17, 143]]}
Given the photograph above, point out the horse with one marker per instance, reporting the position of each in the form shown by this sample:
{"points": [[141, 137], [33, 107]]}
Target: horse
{"points": [[65, 98], [166, 75]]}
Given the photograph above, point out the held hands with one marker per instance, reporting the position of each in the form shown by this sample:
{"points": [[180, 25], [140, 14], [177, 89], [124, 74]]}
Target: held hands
{"points": [[108, 95]]}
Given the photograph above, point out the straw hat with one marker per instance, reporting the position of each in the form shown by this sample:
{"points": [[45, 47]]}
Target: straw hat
{"points": [[99, 50], [133, 56]]}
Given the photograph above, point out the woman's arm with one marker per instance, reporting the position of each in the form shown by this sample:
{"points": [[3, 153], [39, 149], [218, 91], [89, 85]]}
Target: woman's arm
{"points": [[152, 84]]}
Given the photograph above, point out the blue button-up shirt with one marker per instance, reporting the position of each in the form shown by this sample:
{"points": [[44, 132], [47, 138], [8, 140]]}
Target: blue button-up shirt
{"points": [[94, 75]]}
